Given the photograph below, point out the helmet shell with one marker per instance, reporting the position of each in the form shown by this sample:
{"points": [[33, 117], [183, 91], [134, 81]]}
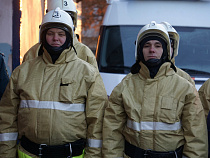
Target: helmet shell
{"points": [[57, 19], [66, 5], [153, 28], [173, 35]]}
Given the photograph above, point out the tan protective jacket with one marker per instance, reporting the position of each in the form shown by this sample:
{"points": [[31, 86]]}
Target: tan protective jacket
{"points": [[53, 104], [204, 93], [183, 74], [83, 52], [160, 114]]}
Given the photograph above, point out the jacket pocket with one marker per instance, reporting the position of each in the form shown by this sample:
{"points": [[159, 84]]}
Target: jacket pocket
{"points": [[168, 110], [66, 90]]}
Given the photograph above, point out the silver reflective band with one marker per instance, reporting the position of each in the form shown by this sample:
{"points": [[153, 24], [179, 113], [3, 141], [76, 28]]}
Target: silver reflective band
{"points": [[51, 105], [94, 143], [153, 126], [8, 136]]}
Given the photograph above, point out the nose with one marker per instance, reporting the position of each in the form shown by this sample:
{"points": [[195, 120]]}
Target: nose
{"points": [[152, 49], [55, 37]]}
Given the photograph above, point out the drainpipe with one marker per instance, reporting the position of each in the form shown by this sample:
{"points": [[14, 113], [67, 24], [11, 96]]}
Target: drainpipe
{"points": [[16, 34]]}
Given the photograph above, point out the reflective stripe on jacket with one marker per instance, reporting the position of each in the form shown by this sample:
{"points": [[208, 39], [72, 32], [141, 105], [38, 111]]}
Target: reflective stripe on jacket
{"points": [[160, 114], [53, 104]]}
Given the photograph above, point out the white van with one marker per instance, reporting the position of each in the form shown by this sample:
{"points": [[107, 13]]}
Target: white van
{"points": [[123, 20]]}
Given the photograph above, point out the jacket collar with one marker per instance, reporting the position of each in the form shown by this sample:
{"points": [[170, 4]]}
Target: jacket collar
{"points": [[165, 70], [66, 56]]}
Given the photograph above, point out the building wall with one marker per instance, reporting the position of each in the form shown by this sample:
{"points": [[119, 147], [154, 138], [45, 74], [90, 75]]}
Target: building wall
{"points": [[6, 12], [32, 12], [92, 16]]}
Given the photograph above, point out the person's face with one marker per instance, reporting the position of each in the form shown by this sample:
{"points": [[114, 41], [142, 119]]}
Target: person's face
{"points": [[55, 37], [152, 50]]}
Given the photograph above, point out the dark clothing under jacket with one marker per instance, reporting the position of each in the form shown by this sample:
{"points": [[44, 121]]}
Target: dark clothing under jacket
{"points": [[4, 78]]}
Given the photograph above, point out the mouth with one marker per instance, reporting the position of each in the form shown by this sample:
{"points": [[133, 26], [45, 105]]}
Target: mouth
{"points": [[55, 45], [152, 57]]}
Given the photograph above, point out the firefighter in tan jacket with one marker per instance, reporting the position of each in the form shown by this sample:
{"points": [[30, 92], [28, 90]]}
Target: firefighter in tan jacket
{"points": [[54, 103], [83, 52], [154, 113], [204, 93]]}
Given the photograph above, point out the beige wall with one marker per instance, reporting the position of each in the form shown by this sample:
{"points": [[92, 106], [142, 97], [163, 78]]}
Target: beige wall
{"points": [[31, 18]]}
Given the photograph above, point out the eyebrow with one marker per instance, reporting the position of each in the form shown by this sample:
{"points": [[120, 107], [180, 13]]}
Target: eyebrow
{"points": [[158, 42], [55, 32]]}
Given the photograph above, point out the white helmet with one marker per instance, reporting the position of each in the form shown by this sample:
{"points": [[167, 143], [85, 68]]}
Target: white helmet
{"points": [[66, 5], [57, 19], [173, 35], [153, 29]]}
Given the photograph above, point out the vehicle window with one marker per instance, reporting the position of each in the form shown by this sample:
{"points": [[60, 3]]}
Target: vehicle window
{"points": [[194, 50], [118, 50]]}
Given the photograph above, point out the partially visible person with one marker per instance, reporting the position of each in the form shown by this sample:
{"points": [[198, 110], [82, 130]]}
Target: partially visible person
{"points": [[208, 128], [174, 39], [54, 103], [4, 77], [154, 112], [204, 93], [83, 52]]}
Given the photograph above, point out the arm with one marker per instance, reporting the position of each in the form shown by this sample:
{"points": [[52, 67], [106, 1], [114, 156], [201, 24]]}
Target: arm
{"points": [[194, 126], [8, 120], [114, 122], [95, 105]]}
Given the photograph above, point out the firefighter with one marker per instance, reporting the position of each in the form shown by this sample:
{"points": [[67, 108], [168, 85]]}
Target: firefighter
{"points": [[204, 93], [174, 39], [83, 52], [54, 103], [154, 113], [4, 77]]}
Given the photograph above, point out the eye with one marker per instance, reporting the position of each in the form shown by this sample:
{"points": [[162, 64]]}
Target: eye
{"points": [[146, 45], [62, 34], [49, 33], [158, 45]]}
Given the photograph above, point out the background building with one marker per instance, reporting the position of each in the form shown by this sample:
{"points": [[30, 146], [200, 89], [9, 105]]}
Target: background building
{"points": [[20, 20]]}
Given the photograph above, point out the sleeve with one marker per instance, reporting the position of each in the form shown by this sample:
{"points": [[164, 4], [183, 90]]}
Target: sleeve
{"points": [[4, 78], [194, 126], [114, 122], [95, 104], [204, 94], [8, 120]]}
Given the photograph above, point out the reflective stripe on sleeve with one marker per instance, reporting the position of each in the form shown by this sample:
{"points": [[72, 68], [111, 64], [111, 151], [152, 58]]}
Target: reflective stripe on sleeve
{"points": [[94, 143], [153, 126], [8, 136], [51, 105]]}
